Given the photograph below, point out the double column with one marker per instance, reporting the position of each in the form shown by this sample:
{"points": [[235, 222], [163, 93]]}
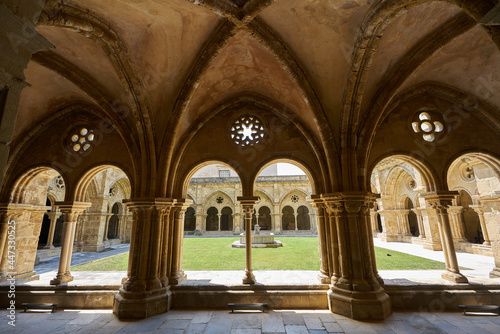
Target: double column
{"points": [[146, 292], [355, 289], [247, 205], [440, 201], [71, 211]]}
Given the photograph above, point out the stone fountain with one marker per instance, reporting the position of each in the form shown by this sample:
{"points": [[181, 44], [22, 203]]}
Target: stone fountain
{"points": [[259, 240]]}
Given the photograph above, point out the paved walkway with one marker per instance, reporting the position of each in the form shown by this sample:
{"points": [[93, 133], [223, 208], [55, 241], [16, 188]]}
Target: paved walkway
{"points": [[223, 321]]}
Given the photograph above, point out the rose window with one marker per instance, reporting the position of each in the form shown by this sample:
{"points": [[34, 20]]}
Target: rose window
{"points": [[427, 127], [60, 183], [247, 131], [81, 139], [295, 199], [219, 200]]}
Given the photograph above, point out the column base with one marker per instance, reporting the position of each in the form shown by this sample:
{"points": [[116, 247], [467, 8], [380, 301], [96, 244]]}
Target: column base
{"points": [[454, 277], [435, 246], [324, 279], [249, 278], [61, 279], [49, 247], [140, 305], [177, 277], [360, 305], [495, 273]]}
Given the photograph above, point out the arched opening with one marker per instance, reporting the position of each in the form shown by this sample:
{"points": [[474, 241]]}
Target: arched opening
{"points": [[303, 219], [265, 218], [113, 222], [214, 187], [400, 180], [379, 223], [226, 219], [288, 218], [476, 178], [107, 221], [470, 218], [44, 232], [36, 226], [412, 218], [190, 220], [212, 221]]}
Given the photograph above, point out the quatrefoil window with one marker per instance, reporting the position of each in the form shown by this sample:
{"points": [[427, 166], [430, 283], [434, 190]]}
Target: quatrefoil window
{"points": [[219, 200], [295, 199], [427, 127], [247, 130], [81, 139]]}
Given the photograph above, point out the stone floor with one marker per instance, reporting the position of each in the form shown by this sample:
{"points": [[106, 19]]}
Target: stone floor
{"points": [[220, 322]]}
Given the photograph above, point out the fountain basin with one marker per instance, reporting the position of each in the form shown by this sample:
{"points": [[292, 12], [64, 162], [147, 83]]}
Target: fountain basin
{"points": [[258, 241]]}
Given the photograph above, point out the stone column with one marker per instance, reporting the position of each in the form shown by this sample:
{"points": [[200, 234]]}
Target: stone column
{"points": [[457, 224], [324, 272], [218, 221], [276, 217], [312, 219], [404, 222], [146, 291], [204, 223], [237, 223], [491, 207], [179, 211], [248, 204], [374, 221], [357, 293], [106, 227], [53, 216], [390, 225], [332, 241], [440, 201], [480, 211], [421, 229], [71, 211]]}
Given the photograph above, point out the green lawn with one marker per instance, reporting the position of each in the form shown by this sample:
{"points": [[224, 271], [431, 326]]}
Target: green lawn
{"points": [[296, 254]]}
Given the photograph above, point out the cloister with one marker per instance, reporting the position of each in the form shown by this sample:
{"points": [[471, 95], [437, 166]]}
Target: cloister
{"points": [[110, 108]]}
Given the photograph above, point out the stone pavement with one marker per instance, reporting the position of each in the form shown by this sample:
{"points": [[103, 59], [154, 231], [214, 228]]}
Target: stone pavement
{"points": [[222, 322]]}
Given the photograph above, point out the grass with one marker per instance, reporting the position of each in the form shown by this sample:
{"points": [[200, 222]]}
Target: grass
{"points": [[296, 254]]}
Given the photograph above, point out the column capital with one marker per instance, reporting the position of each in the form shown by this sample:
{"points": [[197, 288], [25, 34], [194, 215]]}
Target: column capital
{"points": [[248, 200], [72, 209], [477, 208], [439, 200]]}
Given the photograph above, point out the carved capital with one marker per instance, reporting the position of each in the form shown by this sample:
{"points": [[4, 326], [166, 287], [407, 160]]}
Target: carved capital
{"points": [[71, 210]]}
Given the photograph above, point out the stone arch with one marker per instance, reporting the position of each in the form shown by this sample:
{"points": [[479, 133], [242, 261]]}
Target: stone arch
{"points": [[287, 218], [114, 221], [211, 200], [27, 207], [303, 218], [429, 178], [408, 204], [190, 220], [89, 175], [286, 200], [264, 217], [226, 219], [212, 220], [192, 171]]}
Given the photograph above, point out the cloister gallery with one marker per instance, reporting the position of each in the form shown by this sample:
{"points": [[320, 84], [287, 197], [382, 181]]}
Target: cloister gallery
{"points": [[109, 109]]}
